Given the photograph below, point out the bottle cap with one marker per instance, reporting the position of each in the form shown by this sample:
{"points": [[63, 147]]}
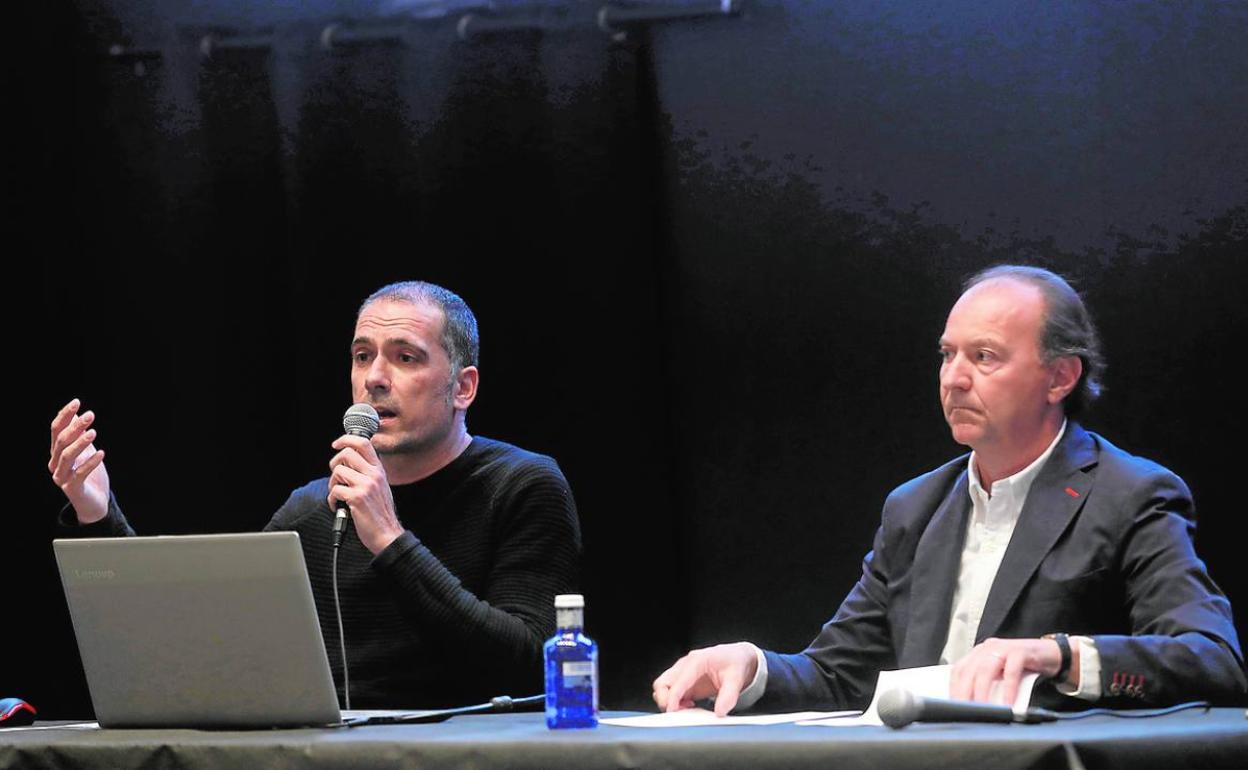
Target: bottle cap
{"points": [[569, 602]]}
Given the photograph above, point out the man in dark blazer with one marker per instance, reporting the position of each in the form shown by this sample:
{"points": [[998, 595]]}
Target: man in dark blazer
{"points": [[1046, 550]]}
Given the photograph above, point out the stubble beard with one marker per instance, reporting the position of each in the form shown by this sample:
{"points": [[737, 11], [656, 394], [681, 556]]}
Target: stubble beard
{"points": [[423, 441]]}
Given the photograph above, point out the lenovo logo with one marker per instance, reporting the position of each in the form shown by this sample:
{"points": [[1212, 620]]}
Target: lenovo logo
{"points": [[95, 574]]}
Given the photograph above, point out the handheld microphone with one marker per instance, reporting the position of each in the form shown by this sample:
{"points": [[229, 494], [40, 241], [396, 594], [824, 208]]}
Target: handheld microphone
{"points": [[898, 708], [360, 420]]}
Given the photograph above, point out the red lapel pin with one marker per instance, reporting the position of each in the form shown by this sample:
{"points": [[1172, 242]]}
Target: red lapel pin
{"points": [[1071, 492]]}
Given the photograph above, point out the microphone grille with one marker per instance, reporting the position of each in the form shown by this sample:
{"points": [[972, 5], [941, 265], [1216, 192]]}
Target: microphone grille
{"points": [[898, 708], [361, 420]]}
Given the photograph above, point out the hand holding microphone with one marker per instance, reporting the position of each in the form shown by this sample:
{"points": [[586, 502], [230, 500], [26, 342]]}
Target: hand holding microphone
{"points": [[358, 487]]}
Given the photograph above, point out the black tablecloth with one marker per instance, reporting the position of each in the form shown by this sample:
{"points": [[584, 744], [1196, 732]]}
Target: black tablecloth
{"points": [[1196, 739]]}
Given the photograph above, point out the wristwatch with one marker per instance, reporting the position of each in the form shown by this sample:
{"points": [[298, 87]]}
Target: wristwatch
{"points": [[1063, 645]]}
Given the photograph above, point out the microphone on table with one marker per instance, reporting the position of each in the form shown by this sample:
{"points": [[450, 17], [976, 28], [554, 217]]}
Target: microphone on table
{"points": [[898, 708], [360, 420]]}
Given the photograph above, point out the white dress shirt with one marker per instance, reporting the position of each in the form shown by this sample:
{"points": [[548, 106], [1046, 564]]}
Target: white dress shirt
{"points": [[994, 513]]}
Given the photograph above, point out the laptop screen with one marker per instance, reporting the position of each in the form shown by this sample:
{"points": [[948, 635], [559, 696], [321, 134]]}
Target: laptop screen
{"points": [[198, 631]]}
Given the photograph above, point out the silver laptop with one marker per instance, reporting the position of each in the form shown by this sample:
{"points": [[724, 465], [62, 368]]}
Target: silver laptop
{"points": [[198, 631]]}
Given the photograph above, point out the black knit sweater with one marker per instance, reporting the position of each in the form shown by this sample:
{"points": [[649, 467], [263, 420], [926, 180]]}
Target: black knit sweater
{"points": [[455, 610]]}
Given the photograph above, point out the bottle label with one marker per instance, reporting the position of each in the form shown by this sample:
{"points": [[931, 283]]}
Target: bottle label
{"points": [[578, 673], [578, 668]]}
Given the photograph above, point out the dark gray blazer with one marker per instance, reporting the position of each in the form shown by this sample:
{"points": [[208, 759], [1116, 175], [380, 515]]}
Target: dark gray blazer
{"points": [[1102, 548]]}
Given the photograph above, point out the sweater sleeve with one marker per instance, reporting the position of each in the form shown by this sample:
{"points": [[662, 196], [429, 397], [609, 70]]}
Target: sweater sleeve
{"points": [[113, 524], [535, 555]]}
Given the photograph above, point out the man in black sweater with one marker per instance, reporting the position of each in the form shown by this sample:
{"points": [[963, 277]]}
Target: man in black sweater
{"points": [[460, 543]]}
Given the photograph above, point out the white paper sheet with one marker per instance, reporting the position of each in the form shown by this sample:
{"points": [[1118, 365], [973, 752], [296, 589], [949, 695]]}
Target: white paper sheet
{"points": [[703, 717]]}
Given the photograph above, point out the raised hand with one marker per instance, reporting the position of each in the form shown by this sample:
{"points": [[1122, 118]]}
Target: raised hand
{"points": [[77, 467]]}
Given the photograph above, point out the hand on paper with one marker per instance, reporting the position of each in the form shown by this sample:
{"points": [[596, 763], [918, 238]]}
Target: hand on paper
{"points": [[1004, 661], [720, 672]]}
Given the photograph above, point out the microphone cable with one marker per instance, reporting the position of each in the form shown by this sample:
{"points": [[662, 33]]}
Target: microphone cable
{"points": [[1140, 714], [342, 638], [360, 420], [497, 705]]}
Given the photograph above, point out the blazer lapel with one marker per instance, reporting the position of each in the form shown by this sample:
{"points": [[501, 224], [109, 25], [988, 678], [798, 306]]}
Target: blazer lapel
{"points": [[934, 576], [1048, 510]]}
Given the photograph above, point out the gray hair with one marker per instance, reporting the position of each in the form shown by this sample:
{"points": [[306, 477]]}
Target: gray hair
{"points": [[1068, 329], [459, 325]]}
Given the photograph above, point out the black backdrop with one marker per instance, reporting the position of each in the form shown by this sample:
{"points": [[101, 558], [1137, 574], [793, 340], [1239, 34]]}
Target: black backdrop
{"points": [[710, 261]]}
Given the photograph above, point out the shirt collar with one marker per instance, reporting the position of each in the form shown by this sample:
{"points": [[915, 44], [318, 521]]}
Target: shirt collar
{"points": [[1020, 483]]}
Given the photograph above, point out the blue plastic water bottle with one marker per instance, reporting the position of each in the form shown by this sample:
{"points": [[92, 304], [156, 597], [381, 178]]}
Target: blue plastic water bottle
{"points": [[571, 668]]}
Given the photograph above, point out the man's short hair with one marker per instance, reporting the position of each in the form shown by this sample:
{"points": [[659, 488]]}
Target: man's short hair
{"points": [[1068, 329], [459, 325]]}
